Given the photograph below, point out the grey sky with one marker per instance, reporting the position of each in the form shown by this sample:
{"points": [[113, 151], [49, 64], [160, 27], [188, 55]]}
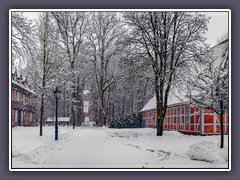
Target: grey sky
{"points": [[217, 27]]}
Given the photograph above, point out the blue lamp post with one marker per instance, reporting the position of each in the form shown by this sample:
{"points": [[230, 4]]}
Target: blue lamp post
{"points": [[56, 95]]}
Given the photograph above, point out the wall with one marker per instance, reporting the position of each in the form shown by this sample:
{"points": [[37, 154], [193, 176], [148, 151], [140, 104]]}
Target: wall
{"points": [[25, 103], [187, 119]]}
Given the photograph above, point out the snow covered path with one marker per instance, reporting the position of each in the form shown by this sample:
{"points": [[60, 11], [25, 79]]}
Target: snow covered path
{"points": [[90, 147]]}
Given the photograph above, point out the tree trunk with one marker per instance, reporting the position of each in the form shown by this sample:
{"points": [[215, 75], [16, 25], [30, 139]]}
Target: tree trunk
{"points": [[73, 115], [73, 95], [101, 109], [123, 106], [41, 114], [221, 124], [45, 56], [159, 107]]}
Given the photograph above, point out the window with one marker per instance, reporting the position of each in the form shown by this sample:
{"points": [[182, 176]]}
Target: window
{"points": [[22, 116], [17, 96], [153, 119], [16, 115], [165, 118], [31, 119], [172, 114], [85, 106], [187, 114], [178, 114], [23, 98], [20, 96]]}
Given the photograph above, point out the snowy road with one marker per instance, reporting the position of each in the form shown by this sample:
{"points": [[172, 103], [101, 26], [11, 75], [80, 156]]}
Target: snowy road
{"points": [[89, 147]]}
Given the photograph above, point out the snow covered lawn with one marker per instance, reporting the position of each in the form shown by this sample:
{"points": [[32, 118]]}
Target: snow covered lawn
{"points": [[94, 147]]}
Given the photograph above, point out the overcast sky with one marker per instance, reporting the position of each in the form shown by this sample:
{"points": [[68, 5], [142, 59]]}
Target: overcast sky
{"points": [[217, 27]]}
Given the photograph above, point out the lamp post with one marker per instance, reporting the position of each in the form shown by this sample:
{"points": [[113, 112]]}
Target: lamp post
{"points": [[56, 95]]}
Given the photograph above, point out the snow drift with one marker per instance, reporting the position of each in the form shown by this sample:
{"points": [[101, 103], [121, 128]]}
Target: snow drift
{"points": [[208, 151]]}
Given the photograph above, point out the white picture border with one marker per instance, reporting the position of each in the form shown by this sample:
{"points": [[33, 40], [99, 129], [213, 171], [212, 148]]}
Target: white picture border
{"points": [[106, 169]]}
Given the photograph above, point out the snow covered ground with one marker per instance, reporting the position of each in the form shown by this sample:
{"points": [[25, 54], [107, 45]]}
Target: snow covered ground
{"points": [[94, 147]]}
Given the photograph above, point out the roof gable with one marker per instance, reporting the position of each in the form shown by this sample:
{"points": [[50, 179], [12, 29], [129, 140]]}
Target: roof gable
{"points": [[172, 100]]}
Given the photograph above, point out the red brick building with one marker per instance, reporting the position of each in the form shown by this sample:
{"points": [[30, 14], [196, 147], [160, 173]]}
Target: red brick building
{"points": [[183, 117], [23, 102]]}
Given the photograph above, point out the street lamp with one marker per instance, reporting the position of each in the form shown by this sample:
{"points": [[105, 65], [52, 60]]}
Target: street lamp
{"points": [[56, 95]]}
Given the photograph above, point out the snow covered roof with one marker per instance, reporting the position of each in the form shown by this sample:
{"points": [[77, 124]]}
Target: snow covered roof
{"points": [[219, 52], [172, 99], [60, 119], [24, 87]]}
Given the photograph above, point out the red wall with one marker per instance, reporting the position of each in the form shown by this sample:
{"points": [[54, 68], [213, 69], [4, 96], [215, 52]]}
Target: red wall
{"points": [[194, 125]]}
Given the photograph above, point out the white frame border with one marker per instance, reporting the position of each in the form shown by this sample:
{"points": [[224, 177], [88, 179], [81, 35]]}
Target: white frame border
{"points": [[118, 10]]}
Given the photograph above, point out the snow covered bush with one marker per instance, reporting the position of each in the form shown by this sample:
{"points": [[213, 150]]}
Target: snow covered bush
{"points": [[128, 121], [208, 151]]}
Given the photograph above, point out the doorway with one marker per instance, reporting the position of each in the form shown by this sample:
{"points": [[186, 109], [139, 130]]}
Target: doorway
{"points": [[19, 118]]}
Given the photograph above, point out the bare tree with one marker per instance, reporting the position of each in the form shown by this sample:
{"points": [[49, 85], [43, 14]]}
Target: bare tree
{"points": [[169, 40], [22, 38], [71, 26], [103, 32], [209, 84], [46, 59]]}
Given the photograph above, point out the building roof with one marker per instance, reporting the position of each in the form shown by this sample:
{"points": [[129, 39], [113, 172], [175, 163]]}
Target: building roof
{"points": [[173, 99], [60, 119], [24, 87], [218, 52], [22, 83]]}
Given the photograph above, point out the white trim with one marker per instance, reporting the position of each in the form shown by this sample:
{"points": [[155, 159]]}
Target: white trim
{"points": [[10, 93], [120, 10], [230, 82]]}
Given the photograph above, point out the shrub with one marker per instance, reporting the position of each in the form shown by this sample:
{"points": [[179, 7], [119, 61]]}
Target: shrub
{"points": [[127, 121]]}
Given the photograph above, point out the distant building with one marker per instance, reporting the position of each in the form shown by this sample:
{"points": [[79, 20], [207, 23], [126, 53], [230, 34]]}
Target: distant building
{"points": [[89, 108], [62, 121], [184, 117], [23, 102]]}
